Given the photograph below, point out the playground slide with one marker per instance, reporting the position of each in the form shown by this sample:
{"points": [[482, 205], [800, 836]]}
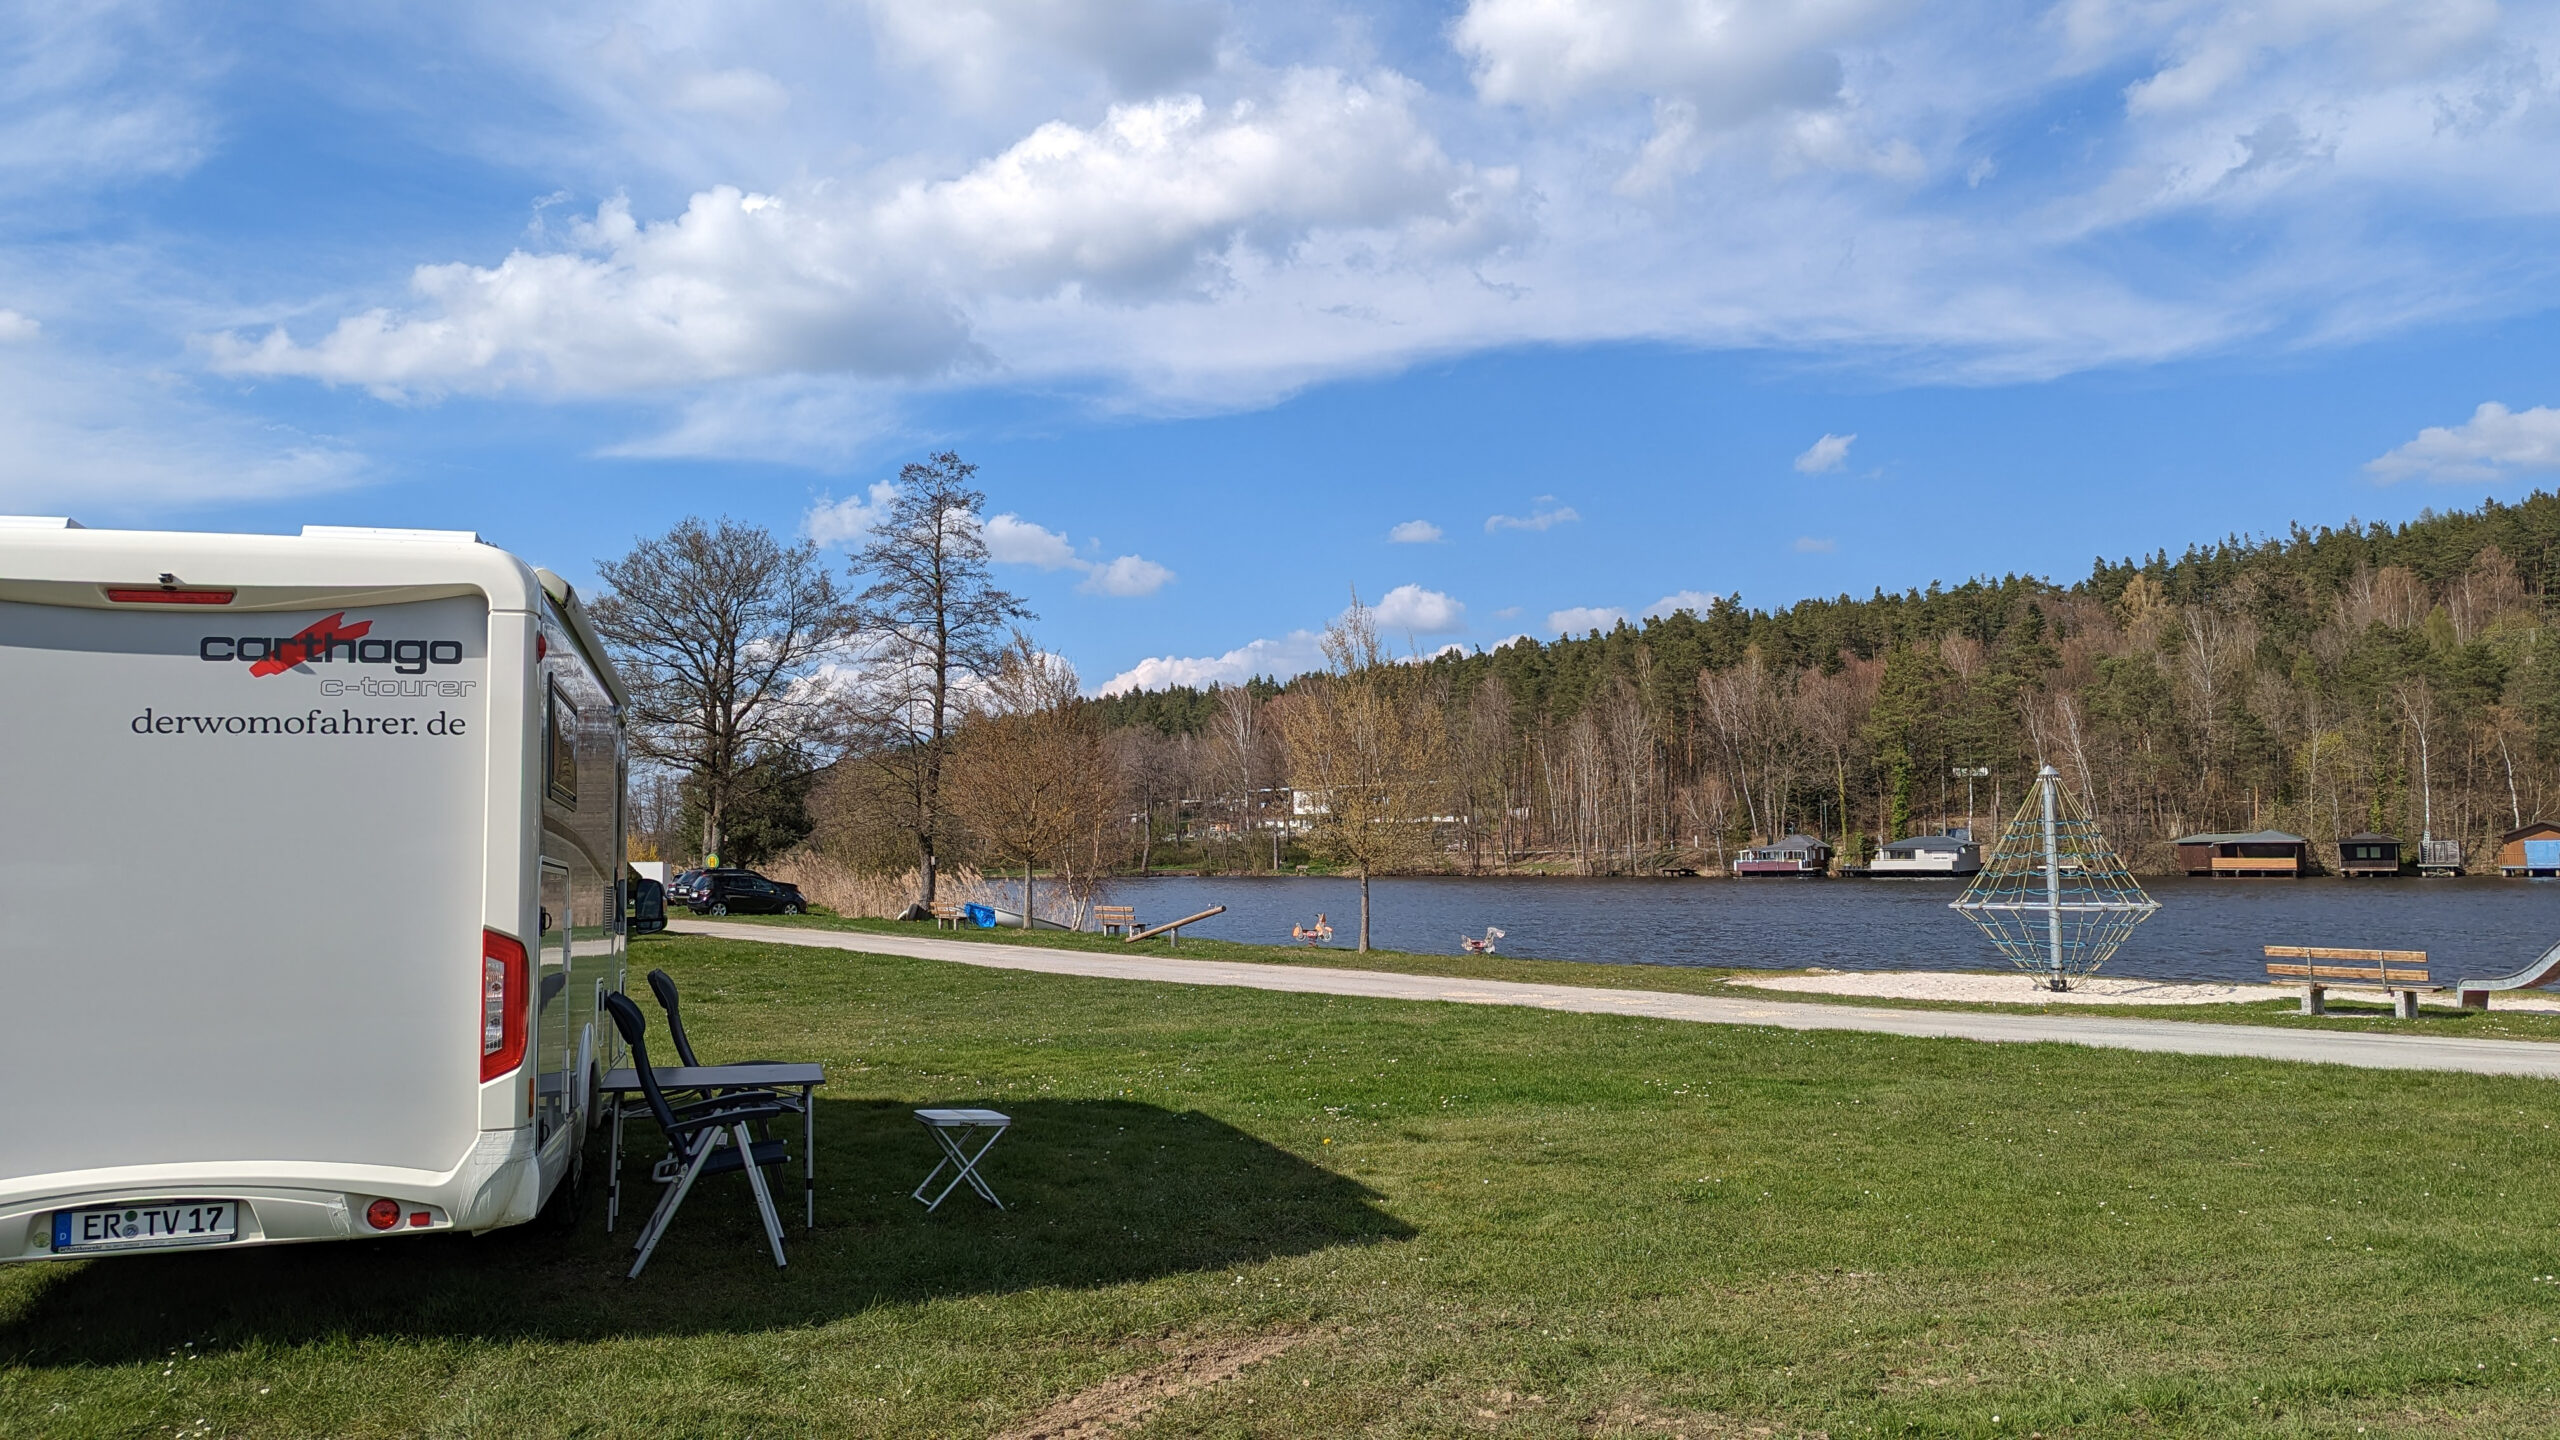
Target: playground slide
{"points": [[2544, 971]]}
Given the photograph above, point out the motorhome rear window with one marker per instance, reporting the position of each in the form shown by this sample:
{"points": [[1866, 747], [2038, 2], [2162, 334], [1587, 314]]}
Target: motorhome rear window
{"points": [[560, 742]]}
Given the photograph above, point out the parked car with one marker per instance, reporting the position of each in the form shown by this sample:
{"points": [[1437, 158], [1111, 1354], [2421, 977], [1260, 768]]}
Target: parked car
{"points": [[744, 892], [687, 884]]}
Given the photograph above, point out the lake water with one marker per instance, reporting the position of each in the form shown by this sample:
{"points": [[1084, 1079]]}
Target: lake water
{"points": [[2205, 929]]}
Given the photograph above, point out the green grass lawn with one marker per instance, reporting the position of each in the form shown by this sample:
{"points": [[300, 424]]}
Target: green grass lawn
{"points": [[2348, 1011], [1485, 1221]]}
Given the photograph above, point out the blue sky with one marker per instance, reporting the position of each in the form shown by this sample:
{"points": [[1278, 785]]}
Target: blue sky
{"points": [[1609, 304]]}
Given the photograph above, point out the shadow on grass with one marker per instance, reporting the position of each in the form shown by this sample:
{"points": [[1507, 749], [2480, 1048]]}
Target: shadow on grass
{"points": [[1101, 1193]]}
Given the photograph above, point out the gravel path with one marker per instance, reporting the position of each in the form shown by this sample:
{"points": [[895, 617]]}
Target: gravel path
{"points": [[2333, 1047]]}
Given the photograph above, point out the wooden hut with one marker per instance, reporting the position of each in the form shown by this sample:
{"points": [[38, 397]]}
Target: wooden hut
{"points": [[2259, 852], [2368, 854], [2532, 850]]}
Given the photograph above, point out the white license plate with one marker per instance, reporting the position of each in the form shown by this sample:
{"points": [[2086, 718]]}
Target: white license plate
{"points": [[146, 1225]]}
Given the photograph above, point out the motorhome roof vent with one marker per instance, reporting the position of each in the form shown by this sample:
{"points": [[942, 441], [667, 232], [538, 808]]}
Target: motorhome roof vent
{"points": [[385, 532], [39, 522]]}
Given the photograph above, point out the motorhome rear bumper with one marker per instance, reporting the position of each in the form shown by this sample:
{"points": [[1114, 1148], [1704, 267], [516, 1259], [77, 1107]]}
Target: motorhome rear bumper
{"points": [[496, 1183]]}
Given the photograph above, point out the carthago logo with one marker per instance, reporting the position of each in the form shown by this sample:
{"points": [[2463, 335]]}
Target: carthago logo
{"points": [[326, 642]]}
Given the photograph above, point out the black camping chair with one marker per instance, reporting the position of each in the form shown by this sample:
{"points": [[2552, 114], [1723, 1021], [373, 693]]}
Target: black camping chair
{"points": [[707, 1138], [663, 985]]}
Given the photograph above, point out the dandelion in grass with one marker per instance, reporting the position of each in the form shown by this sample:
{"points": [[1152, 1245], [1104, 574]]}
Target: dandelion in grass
{"points": [[2053, 896]]}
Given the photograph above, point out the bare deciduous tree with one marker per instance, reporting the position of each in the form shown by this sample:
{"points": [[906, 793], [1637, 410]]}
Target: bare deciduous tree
{"points": [[932, 619], [1028, 773], [716, 628], [1366, 741]]}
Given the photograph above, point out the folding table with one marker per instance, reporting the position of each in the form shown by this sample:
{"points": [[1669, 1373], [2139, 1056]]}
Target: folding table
{"points": [[805, 1078]]}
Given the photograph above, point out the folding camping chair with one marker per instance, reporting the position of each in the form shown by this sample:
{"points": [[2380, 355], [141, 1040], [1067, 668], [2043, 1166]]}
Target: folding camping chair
{"points": [[955, 1131], [709, 1138], [663, 985]]}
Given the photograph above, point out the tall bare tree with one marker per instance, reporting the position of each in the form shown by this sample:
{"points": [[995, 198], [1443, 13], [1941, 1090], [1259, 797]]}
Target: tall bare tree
{"points": [[717, 628], [1831, 712], [1367, 741], [932, 619]]}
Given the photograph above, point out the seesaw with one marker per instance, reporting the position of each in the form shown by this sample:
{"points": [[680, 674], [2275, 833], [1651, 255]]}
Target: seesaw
{"points": [[1172, 932]]}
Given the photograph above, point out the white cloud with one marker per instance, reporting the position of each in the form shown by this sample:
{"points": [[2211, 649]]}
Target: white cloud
{"points": [[821, 421], [2494, 444], [1824, 455], [1012, 540], [2216, 48], [1298, 652], [99, 94], [1172, 206], [1414, 532], [1159, 201], [1814, 545], [979, 49], [848, 521], [740, 92], [1129, 575], [1696, 602], [1582, 618], [15, 327], [1735, 59], [1534, 520], [1414, 610], [93, 439]]}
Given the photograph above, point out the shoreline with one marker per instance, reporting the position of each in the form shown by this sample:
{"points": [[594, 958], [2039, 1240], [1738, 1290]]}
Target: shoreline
{"points": [[1982, 987]]}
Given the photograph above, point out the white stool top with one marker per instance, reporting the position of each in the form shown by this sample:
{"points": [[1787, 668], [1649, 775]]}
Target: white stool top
{"points": [[962, 1118]]}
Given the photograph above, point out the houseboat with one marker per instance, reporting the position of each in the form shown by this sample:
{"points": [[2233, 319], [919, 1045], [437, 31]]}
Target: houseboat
{"points": [[1794, 855], [1925, 857], [2533, 850], [2260, 852], [2368, 854]]}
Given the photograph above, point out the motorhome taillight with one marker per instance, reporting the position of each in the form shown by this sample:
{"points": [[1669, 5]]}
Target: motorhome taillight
{"points": [[382, 1214], [158, 595], [502, 981]]}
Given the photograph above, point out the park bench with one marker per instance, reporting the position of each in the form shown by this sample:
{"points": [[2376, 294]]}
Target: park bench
{"points": [[2398, 972], [1115, 919], [949, 914]]}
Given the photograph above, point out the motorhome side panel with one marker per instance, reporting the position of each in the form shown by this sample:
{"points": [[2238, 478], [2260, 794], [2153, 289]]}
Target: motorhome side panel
{"points": [[248, 885], [581, 786]]}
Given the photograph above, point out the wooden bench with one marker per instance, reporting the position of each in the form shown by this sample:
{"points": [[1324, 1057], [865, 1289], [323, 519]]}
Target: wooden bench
{"points": [[1115, 919], [949, 914], [2395, 971]]}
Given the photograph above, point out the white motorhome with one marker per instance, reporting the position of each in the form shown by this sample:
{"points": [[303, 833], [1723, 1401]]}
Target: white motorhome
{"points": [[310, 886]]}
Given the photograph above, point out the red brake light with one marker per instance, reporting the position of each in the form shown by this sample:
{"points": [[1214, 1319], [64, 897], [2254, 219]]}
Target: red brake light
{"points": [[382, 1214], [421, 1219], [155, 595], [502, 1002]]}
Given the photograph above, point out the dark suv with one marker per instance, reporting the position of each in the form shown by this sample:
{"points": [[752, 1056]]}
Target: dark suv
{"points": [[743, 892]]}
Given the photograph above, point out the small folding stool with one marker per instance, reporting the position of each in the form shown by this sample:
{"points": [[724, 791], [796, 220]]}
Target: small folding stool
{"points": [[956, 1131]]}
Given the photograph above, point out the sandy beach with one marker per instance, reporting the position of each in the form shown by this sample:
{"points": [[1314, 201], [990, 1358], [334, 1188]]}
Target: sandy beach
{"points": [[2021, 989]]}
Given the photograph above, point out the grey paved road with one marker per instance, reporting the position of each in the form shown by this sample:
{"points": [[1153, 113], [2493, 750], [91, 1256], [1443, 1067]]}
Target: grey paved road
{"points": [[2332, 1047]]}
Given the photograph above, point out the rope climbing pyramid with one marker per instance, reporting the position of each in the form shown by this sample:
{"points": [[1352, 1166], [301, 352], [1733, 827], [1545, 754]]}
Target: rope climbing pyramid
{"points": [[2052, 895]]}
